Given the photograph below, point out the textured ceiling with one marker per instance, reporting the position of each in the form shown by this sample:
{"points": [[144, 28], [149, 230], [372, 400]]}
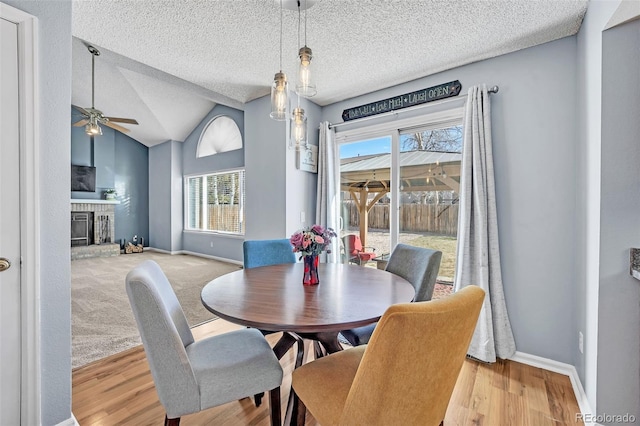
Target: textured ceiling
{"points": [[231, 48]]}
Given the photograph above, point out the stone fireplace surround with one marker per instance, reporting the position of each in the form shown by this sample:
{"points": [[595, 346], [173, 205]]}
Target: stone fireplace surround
{"points": [[99, 208]]}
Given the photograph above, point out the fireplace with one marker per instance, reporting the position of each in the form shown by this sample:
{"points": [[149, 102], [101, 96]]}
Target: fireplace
{"points": [[93, 229], [81, 228]]}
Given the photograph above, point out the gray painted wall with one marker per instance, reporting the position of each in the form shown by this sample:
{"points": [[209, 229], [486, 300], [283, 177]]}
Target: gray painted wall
{"points": [[160, 173], [121, 163], [301, 185], [619, 315], [277, 192], [177, 199], [54, 58], [228, 247], [589, 106], [534, 147], [265, 161], [131, 181]]}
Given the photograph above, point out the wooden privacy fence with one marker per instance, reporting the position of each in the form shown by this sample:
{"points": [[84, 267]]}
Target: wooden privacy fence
{"points": [[441, 219], [225, 217]]}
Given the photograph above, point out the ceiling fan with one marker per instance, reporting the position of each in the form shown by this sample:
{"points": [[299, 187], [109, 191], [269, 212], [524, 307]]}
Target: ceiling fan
{"points": [[94, 117]]}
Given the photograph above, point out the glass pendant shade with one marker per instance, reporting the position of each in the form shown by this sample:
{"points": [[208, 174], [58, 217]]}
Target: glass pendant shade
{"points": [[279, 97], [92, 129], [305, 86], [298, 129]]}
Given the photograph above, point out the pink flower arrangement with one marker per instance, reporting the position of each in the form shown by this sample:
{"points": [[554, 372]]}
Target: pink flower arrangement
{"points": [[312, 240]]}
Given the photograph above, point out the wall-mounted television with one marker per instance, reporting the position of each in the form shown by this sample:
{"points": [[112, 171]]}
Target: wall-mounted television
{"points": [[83, 178]]}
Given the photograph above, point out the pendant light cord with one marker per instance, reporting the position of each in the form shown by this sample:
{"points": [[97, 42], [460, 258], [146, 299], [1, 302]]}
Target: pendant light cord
{"points": [[280, 35], [305, 23], [299, 24], [93, 79]]}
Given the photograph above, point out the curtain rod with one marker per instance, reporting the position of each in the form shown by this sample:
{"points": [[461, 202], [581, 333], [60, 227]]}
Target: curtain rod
{"points": [[493, 89]]}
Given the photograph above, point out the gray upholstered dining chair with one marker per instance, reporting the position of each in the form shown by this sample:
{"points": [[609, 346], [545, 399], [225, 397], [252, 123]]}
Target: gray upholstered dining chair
{"points": [[417, 265], [191, 376]]}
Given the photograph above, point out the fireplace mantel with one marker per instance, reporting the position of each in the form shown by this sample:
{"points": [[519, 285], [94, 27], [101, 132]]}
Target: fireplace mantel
{"points": [[93, 201]]}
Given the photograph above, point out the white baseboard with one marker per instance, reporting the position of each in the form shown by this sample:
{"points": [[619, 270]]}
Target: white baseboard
{"points": [[221, 259], [71, 421], [193, 253], [565, 369]]}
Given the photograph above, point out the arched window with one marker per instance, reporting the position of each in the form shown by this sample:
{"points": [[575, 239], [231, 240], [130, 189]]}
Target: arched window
{"points": [[221, 134]]}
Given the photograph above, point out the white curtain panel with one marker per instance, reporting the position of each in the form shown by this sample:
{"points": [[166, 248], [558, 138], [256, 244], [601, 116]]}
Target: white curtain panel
{"points": [[478, 251], [328, 201]]}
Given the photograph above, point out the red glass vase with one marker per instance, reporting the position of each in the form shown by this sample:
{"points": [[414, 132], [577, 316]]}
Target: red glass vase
{"points": [[310, 276]]}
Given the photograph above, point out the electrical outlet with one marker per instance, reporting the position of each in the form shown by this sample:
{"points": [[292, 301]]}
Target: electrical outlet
{"points": [[302, 217], [580, 342], [135, 238], [211, 243]]}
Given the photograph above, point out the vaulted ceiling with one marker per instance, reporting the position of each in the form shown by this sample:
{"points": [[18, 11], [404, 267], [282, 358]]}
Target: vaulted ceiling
{"points": [[167, 63]]}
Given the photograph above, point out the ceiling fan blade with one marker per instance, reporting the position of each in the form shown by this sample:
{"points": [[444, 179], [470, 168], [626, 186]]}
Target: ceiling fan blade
{"points": [[122, 120], [115, 126], [82, 110], [80, 123]]}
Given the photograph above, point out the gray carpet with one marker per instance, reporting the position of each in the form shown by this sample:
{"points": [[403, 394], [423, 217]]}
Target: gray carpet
{"points": [[102, 323]]}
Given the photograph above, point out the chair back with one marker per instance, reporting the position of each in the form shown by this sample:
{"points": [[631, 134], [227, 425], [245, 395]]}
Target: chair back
{"points": [[267, 252], [410, 367], [353, 244], [417, 265], [165, 333]]}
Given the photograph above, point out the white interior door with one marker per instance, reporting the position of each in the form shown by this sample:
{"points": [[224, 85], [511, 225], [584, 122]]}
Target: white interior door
{"points": [[10, 348]]}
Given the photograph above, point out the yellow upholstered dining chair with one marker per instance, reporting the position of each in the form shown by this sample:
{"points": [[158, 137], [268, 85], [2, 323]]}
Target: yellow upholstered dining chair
{"points": [[404, 376]]}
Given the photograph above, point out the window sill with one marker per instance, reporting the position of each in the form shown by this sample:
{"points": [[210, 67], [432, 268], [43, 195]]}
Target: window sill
{"points": [[214, 234]]}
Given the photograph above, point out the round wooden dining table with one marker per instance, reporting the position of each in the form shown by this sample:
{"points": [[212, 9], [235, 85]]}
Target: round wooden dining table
{"points": [[273, 298]]}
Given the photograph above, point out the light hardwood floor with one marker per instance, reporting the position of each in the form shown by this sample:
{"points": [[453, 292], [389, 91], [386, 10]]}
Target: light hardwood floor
{"points": [[119, 390]]}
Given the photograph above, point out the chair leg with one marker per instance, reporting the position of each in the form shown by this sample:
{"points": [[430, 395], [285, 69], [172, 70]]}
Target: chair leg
{"points": [[171, 422], [299, 411], [318, 349], [300, 353], [258, 398], [274, 406]]}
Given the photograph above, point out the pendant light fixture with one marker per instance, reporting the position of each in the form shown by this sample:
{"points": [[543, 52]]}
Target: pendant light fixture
{"points": [[298, 129], [298, 122], [279, 87], [305, 86]]}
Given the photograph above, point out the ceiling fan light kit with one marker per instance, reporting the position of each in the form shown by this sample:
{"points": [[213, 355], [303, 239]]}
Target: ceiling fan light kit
{"points": [[94, 117], [92, 129]]}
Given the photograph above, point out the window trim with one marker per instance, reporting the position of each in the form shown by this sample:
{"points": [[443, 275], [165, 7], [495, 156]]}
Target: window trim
{"points": [[185, 225], [431, 120]]}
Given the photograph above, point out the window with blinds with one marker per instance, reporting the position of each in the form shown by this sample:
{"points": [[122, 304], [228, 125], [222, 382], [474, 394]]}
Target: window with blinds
{"points": [[215, 202]]}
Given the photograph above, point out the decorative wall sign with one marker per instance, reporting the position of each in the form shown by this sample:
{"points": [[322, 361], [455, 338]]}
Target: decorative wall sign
{"points": [[308, 159], [418, 97]]}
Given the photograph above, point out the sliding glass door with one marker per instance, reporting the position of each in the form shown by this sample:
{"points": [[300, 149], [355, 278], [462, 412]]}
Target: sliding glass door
{"points": [[429, 184], [364, 189], [401, 186]]}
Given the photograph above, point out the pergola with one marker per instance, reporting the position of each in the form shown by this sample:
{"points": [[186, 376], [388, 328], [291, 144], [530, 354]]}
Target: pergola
{"points": [[419, 171]]}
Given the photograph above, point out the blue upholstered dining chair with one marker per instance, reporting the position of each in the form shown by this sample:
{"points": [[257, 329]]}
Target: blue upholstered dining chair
{"points": [[273, 252], [191, 376], [417, 265], [267, 252]]}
